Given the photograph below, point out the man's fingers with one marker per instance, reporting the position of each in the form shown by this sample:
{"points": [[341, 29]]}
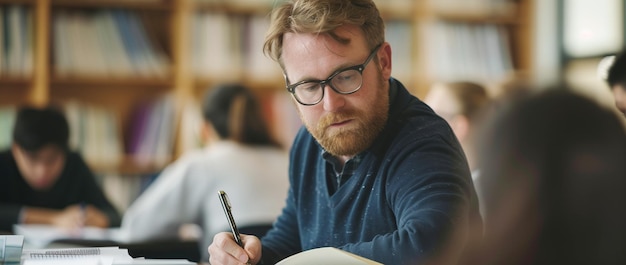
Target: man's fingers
{"points": [[224, 250]]}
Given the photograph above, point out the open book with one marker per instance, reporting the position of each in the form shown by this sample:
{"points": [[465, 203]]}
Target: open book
{"points": [[326, 255]]}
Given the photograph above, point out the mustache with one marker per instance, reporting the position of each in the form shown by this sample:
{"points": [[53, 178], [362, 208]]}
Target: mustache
{"points": [[331, 118]]}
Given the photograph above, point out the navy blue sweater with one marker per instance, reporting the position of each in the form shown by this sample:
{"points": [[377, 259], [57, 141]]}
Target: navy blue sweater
{"points": [[400, 205]]}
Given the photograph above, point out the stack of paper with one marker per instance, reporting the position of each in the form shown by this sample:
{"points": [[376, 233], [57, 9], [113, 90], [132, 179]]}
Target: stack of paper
{"points": [[90, 256], [70, 256]]}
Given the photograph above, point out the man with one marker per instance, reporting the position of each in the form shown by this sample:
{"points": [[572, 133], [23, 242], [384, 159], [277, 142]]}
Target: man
{"points": [[42, 182], [376, 172], [616, 78]]}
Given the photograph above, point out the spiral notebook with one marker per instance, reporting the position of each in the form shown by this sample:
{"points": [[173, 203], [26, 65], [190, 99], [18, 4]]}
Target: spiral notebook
{"points": [[91, 256]]}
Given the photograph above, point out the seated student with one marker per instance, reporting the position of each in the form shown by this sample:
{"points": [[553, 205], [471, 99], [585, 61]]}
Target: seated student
{"points": [[616, 79], [240, 158], [43, 182], [554, 182]]}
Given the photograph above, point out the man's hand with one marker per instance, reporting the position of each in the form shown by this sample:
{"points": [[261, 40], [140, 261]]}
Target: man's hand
{"points": [[225, 251]]}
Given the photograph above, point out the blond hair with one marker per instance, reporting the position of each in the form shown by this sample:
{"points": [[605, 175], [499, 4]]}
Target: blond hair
{"points": [[322, 16]]}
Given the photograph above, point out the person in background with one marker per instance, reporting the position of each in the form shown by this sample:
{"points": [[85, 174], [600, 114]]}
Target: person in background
{"points": [[553, 179], [374, 171], [463, 105], [616, 79], [240, 158], [43, 182]]}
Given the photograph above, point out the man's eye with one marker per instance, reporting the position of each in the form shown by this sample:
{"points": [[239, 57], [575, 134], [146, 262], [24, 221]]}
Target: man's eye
{"points": [[308, 87], [346, 77]]}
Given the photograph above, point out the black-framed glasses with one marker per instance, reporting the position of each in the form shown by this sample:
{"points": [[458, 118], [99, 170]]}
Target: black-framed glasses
{"points": [[344, 81]]}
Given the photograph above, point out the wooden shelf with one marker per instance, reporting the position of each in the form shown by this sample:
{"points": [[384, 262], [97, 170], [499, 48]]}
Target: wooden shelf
{"points": [[112, 81], [155, 5], [477, 18], [9, 81], [17, 2], [252, 8], [168, 23], [128, 166]]}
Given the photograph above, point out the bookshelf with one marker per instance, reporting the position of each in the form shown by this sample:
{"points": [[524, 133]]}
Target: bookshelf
{"points": [[199, 43]]}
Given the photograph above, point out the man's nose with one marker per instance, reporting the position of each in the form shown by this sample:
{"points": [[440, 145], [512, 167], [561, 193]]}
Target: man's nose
{"points": [[332, 100]]}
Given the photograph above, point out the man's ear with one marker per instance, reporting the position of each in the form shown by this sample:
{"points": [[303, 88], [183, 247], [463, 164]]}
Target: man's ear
{"points": [[384, 60]]}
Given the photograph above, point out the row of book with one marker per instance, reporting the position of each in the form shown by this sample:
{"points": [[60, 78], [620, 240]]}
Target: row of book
{"points": [[151, 134], [461, 51], [231, 45], [95, 133], [106, 42], [475, 7], [7, 119], [16, 41]]}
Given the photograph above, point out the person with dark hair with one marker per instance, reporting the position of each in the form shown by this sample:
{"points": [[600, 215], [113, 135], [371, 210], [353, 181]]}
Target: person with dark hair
{"points": [[43, 182], [616, 79], [554, 180], [240, 157], [373, 171]]}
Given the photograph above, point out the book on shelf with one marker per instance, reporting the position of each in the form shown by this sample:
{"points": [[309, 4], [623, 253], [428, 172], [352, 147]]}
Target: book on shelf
{"points": [[152, 133], [396, 33], [7, 119], [16, 40], [216, 45], [326, 255], [105, 43], [94, 132], [258, 66], [467, 51]]}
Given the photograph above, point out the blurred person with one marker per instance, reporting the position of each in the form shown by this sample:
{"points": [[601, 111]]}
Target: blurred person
{"points": [[616, 79], [239, 157], [553, 179], [43, 182], [374, 171], [462, 105]]}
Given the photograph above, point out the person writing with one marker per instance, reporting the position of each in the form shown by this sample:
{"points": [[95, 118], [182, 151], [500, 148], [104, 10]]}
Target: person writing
{"points": [[374, 171], [43, 182], [239, 156]]}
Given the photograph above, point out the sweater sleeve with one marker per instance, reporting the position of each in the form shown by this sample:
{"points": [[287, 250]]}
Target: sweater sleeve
{"points": [[428, 190]]}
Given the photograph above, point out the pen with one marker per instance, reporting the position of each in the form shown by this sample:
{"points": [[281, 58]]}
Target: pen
{"points": [[229, 216]]}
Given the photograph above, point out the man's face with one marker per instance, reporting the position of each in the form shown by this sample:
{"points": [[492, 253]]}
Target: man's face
{"points": [[40, 169], [619, 94], [344, 125]]}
